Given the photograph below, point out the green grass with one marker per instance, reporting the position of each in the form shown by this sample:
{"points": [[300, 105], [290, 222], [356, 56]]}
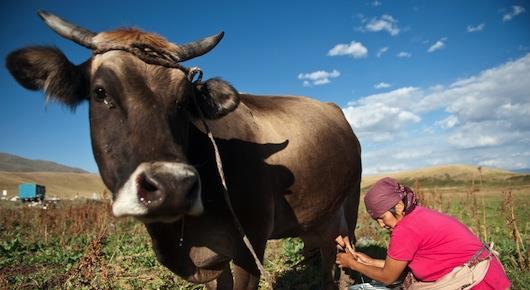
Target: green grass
{"points": [[95, 253], [79, 245]]}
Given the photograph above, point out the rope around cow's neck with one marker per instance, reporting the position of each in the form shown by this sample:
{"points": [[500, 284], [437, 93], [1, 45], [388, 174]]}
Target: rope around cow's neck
{"points": [[192, 72]]}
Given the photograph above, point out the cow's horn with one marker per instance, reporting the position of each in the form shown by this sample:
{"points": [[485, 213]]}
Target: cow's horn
{"points": [[197, 48], [68, 30]]}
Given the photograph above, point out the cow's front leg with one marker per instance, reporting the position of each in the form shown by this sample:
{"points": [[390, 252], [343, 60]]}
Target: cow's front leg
{"points": [[246, 272], [223, 282], [245, 280], [335, 226], [328, 254]]}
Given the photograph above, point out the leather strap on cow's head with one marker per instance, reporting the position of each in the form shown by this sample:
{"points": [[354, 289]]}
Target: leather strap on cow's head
{"points": [[145, 52], [153, 55]]}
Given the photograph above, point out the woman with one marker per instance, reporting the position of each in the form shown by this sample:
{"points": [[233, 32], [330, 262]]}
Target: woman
{"points": [[440, 251]]}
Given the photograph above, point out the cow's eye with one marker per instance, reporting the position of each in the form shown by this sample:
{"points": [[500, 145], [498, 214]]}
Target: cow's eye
{"points": [[99, 94]]}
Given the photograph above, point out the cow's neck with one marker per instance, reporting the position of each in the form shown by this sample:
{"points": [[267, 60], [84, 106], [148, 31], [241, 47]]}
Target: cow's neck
{"points": [[201, 155]]}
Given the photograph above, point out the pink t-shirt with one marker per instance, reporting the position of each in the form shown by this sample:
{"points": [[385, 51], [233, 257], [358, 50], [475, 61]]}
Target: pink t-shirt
{"points": [[435, 243]]}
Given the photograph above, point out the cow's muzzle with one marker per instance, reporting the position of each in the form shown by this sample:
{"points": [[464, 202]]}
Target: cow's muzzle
{"points": [[160, 192]]}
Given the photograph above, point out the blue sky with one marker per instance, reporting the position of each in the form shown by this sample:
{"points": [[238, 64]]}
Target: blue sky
{"points": [[421, 82]]}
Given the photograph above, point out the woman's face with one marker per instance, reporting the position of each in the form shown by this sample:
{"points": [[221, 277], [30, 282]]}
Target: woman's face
{"points": [[387, 221]]}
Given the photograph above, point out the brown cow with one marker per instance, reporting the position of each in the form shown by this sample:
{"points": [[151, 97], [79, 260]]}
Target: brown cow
{"points": [[292, 164]]}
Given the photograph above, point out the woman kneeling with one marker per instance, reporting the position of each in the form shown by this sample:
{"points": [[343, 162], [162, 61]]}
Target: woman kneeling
{"points": [[441, 252]]}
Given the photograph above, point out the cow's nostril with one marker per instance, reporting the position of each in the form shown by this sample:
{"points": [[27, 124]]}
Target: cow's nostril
{"points": [[147, 185], [148, 191]]}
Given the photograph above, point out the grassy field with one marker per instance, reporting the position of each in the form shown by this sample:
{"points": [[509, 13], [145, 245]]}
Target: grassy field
{"points": [[79, 245]]}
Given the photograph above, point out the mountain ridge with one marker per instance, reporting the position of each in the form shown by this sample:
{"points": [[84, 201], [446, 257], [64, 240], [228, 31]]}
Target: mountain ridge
{"points": [[67, 182], [452, 175], [14, 163]]}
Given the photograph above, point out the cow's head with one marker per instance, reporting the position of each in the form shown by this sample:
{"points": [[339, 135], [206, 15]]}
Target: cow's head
{"points": [[141, 102]]}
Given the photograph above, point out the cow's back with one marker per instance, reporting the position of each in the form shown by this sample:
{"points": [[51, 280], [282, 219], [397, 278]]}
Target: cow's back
{"points": [[321, 151]]}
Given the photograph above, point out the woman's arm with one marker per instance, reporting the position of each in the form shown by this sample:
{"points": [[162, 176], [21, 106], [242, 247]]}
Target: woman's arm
{"points": [[388, 273], [346, 246], [379, 263], [367, 260]]}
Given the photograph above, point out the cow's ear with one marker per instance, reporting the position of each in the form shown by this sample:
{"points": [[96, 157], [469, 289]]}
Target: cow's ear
{"points": [[48, 69], [216, 98]]}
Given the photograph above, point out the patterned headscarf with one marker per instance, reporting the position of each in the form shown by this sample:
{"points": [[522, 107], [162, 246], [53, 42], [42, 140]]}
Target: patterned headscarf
{"points": [[385, 194]]}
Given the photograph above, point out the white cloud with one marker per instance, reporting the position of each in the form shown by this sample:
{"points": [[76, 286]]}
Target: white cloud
{"points": [[382, 85], [476, 28], [500, 93], [381, 51], [483, 119], [448, 122], [438, 45], [317, 78], [504, 163], [361, 17], [354, 49], [378, 116], [385, 168], [385, 23], [404, 54], [405, 96], [516, 10], [376, 3], [473, 135], [378, 121], [409, 154]]}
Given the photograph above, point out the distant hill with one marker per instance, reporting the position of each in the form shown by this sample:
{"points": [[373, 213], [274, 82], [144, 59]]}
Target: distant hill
{"points": [[58, 184], [13, 163], [452, 175], [70, 184], [60, 180]]}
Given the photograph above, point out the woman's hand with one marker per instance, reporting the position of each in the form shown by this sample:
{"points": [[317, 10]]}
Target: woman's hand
{"points": [[385, 271], [351, 260], [363, 258], [346, 260], [344, 243]]}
